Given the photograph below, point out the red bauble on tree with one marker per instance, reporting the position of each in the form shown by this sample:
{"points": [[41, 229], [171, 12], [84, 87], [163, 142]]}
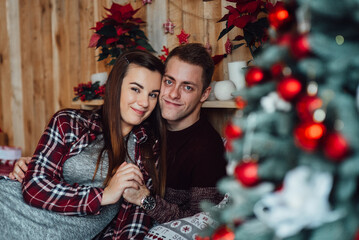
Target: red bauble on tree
{"points": [[279, 17], [289, 88], [254, 76], [336, 147], [300, 47], [277, 70], [232, 131], [247, 173], [307, 135], [306, 107], [223, 233]]}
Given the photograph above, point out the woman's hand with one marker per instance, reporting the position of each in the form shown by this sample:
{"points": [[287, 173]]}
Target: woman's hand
{"points": [[20, 168], [127, 175]]}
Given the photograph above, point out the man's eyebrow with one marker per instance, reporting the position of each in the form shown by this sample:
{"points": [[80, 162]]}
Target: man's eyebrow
{"points": [[168, 76], [139, 85]]}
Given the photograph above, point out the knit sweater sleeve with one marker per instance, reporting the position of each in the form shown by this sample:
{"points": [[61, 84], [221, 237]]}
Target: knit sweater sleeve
{"points": [[167, 209]]}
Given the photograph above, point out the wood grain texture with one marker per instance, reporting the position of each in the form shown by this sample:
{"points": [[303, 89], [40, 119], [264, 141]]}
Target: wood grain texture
{"points": [[44, 53]]}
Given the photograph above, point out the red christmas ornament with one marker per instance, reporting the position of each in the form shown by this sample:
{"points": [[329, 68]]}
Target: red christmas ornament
{"points": [[254, 76], [289, 88], [279, 17], [277, 70], [300, 47], [306, 107], [223, 233], [169, 26], [183, 37], [336, 147], [356, 236], [247, 173], [232, 131], [308, 135]]}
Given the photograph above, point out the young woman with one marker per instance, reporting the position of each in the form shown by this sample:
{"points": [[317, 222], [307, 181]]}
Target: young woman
{"points": [[86, 159]]}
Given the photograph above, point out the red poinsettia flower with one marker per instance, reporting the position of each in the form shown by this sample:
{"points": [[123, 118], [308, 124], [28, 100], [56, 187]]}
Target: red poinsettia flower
{"points": [[121, 13]]}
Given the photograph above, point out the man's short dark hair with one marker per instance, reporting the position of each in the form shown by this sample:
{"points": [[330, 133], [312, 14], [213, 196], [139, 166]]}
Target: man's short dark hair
{"points": [[196, 54]]}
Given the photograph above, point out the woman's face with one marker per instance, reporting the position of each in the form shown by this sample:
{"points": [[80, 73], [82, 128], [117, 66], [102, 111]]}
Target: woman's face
{"points": [[139, 94]]}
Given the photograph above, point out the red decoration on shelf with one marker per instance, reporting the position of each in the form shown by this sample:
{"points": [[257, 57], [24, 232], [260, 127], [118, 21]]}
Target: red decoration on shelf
{"points": [[307, 135], [289, 88], [336, 147], [232, 131], [254, 76], [169, 26], [247, 173], [240, 102], [279, 17], [183, 37], [300, 47], [306, 107], [228, 46], [223, 233]]}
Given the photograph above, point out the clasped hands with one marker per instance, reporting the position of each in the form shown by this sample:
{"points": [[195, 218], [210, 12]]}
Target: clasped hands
{"points": [[127, 182]]}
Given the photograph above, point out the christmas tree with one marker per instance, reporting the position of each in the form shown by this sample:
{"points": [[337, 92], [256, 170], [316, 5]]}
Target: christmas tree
{"points": [[293, 146]]}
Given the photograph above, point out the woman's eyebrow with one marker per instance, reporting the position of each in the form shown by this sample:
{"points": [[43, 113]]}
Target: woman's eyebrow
{"points": [[139, 85]]}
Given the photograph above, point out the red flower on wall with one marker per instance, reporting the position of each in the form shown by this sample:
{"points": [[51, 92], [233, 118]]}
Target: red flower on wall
{"points": [[119, 31]]}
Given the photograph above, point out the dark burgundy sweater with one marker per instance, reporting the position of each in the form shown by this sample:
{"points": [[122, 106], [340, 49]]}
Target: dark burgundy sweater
{"points": [[195, 162]]}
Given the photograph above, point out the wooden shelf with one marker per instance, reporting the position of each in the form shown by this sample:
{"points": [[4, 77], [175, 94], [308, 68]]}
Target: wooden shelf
{"points": [[219, 104], [206, 104]]}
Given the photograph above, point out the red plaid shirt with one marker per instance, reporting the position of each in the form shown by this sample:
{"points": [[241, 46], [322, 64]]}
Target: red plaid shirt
{"points": [[67, 134]]}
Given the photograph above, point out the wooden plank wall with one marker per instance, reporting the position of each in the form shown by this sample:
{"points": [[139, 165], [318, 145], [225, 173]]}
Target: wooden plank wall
{"points": [[44, 53]]}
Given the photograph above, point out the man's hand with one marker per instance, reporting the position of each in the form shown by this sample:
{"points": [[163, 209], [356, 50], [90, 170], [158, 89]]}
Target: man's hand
{"points": [[135, 196], [20, 168]]}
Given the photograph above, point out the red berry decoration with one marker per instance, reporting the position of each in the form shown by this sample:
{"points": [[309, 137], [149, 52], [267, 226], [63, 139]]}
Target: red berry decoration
{"points": [[247, 173], [306, 107], [289, 88], [254, 76], [232, 131], [336, 147], [240, 102], [308, 135], [223, 233], [300, 47], [279, 17]]}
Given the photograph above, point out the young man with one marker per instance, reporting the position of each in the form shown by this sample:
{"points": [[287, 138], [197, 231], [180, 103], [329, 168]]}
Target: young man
{"points": [[195, 151]]}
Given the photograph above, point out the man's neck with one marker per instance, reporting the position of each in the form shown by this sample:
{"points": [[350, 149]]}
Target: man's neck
{"points": [[182, 123]]}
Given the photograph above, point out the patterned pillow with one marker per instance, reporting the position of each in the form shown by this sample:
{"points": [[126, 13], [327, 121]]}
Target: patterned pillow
{"points": [[184, 228]]}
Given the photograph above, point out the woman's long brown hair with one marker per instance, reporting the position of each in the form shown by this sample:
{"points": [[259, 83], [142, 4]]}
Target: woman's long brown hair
{"points": [[114, 143]]}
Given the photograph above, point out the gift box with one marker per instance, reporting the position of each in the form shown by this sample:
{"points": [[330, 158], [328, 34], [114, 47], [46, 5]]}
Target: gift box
{"points": [[8, 157]]}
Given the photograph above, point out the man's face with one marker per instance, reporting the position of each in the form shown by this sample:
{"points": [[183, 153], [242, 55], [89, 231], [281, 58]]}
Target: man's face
{"points": [[181, 94]]}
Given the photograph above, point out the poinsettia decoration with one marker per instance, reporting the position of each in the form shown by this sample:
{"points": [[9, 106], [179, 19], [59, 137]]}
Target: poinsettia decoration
{"points": [[89, 91], [118, 32], [251, 16]]}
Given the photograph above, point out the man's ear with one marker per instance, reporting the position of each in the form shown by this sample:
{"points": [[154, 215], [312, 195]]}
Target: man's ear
{"points": [[205, 94]]}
